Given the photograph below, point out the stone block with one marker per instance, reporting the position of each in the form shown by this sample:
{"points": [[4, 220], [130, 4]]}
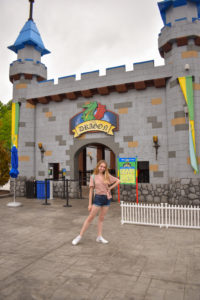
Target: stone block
{"points": [[123, 105], [179, 114], [22, 124], [185, 181], [145, 192], [192, 196], [30, 144], [62, 143], [52, 118], [164, 199], [183, 201], [192, 190], [41, 173], [157, 199], [172, 154], [157, 125], [195, 181], [149, 198], [183, 193], [141, 198], [128, 138], [196, 202], [181, 127], [158, 174]]}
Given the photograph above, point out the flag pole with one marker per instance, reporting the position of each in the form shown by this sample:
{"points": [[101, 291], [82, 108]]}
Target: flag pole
{"points": [[118, 187], [136, 182]]}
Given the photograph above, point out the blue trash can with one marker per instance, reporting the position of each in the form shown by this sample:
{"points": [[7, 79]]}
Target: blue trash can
{"points": [[41, 189]]}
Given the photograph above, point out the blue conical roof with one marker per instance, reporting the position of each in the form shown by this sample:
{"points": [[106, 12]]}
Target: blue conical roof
{"points": [[29, 35], [164, 5]]}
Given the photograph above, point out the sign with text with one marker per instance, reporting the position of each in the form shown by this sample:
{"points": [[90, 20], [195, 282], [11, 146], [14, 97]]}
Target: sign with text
{"points": [[127, 168], [94, 118]]}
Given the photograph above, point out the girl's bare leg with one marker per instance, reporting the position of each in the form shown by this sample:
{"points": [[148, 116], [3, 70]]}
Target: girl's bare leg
{"points": [[102, 214], [89, 219]]}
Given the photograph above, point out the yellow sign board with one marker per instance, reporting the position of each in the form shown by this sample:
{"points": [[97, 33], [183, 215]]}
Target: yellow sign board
{"points": [[93, 125], [127, 176]]}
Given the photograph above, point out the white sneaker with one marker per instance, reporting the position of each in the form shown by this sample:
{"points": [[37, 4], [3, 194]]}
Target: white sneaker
{"points": [[76, 240], [100, 239]]}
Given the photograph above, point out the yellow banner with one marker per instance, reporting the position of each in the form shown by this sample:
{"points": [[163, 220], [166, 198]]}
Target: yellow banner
{"points": [[15, 124], [93, 125]]}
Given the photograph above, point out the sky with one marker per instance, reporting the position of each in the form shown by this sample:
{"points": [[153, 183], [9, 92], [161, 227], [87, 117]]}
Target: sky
{"points": [[82, 35]]}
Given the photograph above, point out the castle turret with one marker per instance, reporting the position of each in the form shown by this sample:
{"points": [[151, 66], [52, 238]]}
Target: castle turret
{"points": [[29, 49], [27, 70], [179, 45], [179, 39]]}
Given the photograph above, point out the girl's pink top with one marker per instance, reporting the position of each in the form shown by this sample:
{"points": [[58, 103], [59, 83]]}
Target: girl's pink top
{"points": [[100, 186]]}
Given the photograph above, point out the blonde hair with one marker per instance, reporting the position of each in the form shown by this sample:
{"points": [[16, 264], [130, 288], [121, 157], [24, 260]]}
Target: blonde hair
{"points": [[106, 173]]}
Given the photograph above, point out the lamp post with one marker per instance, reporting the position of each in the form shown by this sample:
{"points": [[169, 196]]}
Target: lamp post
{"points": [[156, 145]]}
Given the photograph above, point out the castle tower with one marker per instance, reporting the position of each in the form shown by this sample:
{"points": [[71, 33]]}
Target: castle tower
{"points": [[179, 45], [25, 73]]}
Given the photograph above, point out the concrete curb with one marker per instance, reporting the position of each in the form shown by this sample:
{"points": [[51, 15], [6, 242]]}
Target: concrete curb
{"points": [[7, 195]]}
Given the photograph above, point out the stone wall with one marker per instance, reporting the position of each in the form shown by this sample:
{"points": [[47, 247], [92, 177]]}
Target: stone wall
{"points": [[58, 188], [184, 191], [179, 191], [148, 193], [20, 186], [73, 188]]}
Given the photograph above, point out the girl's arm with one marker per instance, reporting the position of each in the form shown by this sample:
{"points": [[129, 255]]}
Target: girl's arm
{"points": [[90, 198], [114, 184]]}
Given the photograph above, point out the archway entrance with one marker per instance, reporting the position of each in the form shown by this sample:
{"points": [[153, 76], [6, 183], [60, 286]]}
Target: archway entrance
{"points": [[107, 143], [88, 157]]}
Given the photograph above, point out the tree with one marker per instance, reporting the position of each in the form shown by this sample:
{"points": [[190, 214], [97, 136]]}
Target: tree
{"points": [[5, 141], [4, 164], [5, 124]]}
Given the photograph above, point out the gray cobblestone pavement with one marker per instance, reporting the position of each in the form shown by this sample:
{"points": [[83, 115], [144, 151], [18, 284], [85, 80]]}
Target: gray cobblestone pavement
{"points": [[38, 261]]}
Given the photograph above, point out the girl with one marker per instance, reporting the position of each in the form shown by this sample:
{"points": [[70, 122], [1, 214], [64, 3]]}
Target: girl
{"points": [[103, 183]]}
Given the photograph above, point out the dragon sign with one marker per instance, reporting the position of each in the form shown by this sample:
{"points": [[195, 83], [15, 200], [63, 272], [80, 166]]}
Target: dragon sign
{"points": [[94, 118]]}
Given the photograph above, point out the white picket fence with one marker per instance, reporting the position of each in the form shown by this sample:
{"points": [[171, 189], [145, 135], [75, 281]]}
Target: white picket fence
{"points": [[163, 215]]}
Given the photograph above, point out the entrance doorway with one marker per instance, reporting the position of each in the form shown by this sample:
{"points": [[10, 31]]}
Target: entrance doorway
{"points": [[53, 170], [88, 158]]}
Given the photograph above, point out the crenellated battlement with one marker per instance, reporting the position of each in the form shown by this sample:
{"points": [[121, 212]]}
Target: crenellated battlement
{"points": [[22, 61], [110, 73], [91, 82], [182, 27], [28, 67]]}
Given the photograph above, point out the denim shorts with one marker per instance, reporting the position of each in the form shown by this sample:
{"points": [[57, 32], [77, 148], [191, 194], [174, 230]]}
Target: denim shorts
{"points": [[101, 200]]}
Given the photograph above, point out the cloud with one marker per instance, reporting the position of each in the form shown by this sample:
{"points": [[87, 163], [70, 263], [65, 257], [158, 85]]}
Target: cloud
{"points": [[82, 35]]}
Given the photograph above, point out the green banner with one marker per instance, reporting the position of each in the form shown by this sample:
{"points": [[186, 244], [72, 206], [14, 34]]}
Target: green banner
{"points": [[186, 85]]}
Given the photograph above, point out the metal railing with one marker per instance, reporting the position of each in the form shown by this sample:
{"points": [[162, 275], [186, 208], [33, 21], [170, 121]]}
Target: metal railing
{"points": [[163, 215], [84, 177], [65, 189]]}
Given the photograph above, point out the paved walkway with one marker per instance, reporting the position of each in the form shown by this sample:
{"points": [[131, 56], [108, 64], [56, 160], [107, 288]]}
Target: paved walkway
{"points": [[37, 260]]}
